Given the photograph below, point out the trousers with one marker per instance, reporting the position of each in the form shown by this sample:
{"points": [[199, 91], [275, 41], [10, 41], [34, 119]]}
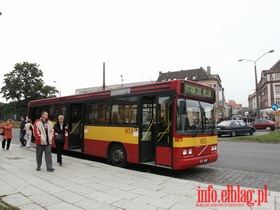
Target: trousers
{"points": [[59, 149], [47, 149], [4, 143], [22, 140]]}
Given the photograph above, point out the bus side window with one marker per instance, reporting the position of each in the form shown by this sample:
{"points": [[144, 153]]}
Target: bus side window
{"points": [[99, 114], [116, 118]]}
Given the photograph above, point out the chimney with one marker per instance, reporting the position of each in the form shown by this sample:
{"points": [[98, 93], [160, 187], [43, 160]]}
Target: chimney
{"points": [[209, 70]]}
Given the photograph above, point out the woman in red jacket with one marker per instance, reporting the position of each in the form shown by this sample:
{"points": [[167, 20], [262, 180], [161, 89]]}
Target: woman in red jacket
{"points": [[7, 134]]}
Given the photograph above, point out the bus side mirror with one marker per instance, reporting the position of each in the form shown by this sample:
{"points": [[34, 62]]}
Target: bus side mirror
{"points": [[183, 107]]}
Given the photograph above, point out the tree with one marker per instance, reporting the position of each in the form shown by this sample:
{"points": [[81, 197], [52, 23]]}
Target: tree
{"points": [[25, 83]]}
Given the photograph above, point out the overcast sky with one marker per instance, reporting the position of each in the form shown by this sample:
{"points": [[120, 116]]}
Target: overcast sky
{"points": [[70, 40]]}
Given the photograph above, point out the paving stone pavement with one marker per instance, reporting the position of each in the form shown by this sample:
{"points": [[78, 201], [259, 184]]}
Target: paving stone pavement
{"points": [[225, 176], [85, 184]]}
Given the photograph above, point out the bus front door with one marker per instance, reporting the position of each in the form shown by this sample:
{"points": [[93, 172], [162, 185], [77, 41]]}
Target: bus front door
{"points": [[155, 131], [76, 127], [163, 133]]}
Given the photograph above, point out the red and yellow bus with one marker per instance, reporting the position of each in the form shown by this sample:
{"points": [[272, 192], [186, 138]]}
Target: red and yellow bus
{"points": [[168, 124]]}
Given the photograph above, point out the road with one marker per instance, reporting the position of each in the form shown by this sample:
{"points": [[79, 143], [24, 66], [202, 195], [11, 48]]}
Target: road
{"points": [[257, 157], [251, 165]]}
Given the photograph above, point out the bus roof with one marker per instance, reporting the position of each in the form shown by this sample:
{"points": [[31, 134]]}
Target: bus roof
{"points": [[121, 91]]}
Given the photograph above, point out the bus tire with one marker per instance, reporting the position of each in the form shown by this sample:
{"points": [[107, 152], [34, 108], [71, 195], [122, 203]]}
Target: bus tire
{"points": [[117, 155]]}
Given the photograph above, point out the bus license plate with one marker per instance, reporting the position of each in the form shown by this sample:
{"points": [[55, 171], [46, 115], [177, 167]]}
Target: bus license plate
{"points": [[205, 160]]}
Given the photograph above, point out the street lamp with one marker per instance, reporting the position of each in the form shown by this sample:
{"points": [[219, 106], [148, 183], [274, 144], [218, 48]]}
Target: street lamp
{"points": [[256, 80], [59, 87]]}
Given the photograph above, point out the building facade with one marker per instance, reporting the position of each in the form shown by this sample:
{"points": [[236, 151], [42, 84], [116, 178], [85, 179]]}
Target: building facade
{"points": [[269, 92]]}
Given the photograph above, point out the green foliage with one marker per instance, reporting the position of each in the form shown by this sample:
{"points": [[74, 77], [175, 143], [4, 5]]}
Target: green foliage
{"points": [[25, 83], [270, 137]]}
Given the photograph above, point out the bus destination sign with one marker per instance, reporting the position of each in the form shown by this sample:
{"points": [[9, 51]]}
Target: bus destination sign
{"points": [[198, 91]]}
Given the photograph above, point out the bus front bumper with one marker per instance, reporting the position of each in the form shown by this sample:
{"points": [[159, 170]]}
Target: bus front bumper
{"points": [[183, 163]]}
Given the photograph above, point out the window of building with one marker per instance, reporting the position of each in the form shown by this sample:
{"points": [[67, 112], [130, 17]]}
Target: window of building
{"points": [[277, 76], [194, 77], [277, 89], [277, 101]]}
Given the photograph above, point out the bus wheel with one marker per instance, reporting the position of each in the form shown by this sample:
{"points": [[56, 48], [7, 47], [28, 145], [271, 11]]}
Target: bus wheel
{"points": [[118, 155]]}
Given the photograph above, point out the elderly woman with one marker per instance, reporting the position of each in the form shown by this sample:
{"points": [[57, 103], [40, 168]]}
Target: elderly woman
{"points": [[60, 130], [7, 128]]}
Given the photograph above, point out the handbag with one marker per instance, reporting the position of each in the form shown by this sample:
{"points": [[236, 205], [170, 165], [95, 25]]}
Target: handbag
{"points": [[58, 137], [2, 132]]}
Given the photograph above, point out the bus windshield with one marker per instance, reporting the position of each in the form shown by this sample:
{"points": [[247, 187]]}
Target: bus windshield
{"points": [[195, 117]]}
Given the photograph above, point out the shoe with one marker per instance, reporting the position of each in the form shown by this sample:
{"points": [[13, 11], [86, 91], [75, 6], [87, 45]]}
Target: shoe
{"points": [[38, 169], [50, 170], [60, 164]]}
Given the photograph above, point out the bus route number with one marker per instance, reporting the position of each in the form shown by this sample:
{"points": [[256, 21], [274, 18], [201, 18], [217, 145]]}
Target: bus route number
{"points": [[128, 130], [203, 141]]}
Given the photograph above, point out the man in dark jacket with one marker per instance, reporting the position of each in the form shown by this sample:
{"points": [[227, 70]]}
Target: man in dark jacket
{"points": [[22, 132]]}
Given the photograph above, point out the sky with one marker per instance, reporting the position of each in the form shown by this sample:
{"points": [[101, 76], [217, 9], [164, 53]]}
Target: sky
{"points": [[71, 39]]}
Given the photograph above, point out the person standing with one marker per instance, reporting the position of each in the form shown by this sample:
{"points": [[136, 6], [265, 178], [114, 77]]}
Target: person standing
{"points": [[28, 129], [22, 132], [60, 131], [7, 134], [43, 133]]}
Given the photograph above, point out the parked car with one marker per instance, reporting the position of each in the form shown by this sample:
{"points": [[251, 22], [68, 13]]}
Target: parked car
{"points": [[264, 124], [234, 128]]}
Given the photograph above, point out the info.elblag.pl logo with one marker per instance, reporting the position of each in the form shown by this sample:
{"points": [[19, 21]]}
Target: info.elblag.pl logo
{"points": [[232, 196]]}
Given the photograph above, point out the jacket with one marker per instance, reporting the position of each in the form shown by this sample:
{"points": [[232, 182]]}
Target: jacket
{"points": [[22, 124], [40, 133], [8, 131], [57, 129]]}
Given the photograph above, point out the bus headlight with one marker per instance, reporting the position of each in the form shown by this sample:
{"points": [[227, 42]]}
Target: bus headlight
{"points": [[214, 148], [187, 151]]}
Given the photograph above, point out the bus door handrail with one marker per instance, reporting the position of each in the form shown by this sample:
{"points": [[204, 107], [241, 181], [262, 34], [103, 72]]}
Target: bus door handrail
{"points": [[149, 128], [164, 132], [75, 126]]}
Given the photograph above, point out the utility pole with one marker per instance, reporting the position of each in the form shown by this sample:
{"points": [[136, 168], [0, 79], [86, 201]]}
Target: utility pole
{"points": [[104, 86]]}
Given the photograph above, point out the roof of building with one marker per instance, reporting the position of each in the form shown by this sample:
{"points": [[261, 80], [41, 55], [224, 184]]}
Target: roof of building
{"points": [[193, 74], [275, 68], [234, 105]]}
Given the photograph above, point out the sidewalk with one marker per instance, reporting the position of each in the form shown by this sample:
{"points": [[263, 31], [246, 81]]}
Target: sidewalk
{"points": [[84, 184]]}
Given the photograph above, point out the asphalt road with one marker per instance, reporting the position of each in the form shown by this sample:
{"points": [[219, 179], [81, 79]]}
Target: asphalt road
{"points": [[257, 157]]}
